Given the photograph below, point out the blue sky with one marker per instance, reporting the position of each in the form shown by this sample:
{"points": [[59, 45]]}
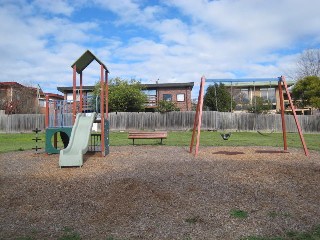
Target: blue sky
{"points": [[169, 40]]}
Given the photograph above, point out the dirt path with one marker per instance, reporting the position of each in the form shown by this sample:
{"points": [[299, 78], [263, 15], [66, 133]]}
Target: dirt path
{"points": [[159, 192]]}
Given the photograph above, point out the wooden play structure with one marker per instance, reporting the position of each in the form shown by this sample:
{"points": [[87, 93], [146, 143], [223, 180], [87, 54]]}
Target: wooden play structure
{"points": [[60, 116], [281, 85]]}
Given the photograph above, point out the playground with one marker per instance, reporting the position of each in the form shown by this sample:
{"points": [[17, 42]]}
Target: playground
{"points": [[89, 191], [160, 192]]}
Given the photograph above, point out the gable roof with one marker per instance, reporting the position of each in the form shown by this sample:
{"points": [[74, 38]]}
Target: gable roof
{"points": [[86, 58], [11, 84]]}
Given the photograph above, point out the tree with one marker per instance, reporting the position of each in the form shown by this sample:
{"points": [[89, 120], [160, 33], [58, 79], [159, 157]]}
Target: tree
{"points": [[124, 96], [260, 105], [218, 98], [306, 92], [309, 63], [166, 106]]}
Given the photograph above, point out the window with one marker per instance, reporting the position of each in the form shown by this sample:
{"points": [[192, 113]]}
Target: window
{"points": [[70, 96], [180, 97], [150, 92], [244, 96], [42, 102], [167, 97], [268, 94]]}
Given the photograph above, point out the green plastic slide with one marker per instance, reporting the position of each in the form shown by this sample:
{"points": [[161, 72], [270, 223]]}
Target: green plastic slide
{"points": [[72, 155]]}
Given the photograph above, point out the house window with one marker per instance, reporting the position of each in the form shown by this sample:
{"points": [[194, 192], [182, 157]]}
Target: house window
{"points": [[268, 94], [244, 96], [180, 97], [42, 102], [167, 97], [70, 96]]}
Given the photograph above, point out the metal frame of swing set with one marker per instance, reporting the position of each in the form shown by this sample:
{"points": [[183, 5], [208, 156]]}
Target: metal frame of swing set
{"points": [[281, 84]]}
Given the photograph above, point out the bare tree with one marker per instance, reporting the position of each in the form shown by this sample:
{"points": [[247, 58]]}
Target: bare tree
{"points": [[309, 63]]}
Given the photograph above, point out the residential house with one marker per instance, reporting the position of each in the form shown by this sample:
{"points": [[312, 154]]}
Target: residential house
{"points": [[17, 98], [244, 93], [179, 93]]}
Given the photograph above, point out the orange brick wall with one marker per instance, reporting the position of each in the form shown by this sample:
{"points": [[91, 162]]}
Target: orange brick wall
{"points": [[185, 105]]}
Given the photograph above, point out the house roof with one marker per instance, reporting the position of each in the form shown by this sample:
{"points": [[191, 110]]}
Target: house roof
{"points": [[54, 95], [168, 85], [86, 58], [11, 84], [147, 86], [70, 89]]}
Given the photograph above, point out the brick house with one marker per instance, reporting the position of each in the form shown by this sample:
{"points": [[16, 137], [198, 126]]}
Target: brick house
{"points": [[179, 93], [17, 98]]}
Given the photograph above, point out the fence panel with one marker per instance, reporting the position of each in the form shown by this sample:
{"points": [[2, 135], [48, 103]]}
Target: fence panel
{"points": [[175, 121]]}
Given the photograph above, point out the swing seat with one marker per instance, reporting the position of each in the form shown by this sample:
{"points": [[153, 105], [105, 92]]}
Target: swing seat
{"points": [[225, 136], [265, 133]]}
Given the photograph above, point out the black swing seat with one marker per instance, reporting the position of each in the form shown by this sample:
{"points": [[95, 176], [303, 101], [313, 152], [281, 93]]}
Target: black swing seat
{"points": [[225, 136], [265, 133]]}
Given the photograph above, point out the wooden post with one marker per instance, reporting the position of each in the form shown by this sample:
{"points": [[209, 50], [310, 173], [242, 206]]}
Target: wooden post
{"points": [[284, 131], [47, 112], [74, 88], [198, 118], [306, 152], [102, 109], [81, 96], [107, 123]]}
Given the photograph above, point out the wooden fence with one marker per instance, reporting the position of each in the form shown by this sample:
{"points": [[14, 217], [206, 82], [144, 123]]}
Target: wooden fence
{"points": [[176, 121]]}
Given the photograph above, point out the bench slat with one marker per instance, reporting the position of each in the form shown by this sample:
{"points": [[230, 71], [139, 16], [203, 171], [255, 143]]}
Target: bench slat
{"points": [[147, 135]]}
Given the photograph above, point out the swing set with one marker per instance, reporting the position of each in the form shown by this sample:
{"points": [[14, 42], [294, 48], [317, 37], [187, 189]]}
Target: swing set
{"points": [[281, 84]]}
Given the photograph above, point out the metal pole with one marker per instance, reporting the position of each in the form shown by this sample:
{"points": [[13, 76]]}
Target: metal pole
{"points": [[231, 97], [254, 97], [215, 94]]}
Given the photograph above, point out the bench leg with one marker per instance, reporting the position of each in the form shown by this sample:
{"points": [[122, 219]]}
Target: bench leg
{"points": [[132, 141], [161, 141]]}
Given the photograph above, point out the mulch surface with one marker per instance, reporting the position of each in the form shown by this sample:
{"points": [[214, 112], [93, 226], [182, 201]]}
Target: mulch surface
{"points": [[160, 192]]}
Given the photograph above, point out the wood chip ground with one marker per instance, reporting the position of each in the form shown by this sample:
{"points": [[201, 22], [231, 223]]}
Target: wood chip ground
{"points": [[160, 192]]}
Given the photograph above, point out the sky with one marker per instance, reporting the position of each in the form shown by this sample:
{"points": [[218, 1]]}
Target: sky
{"points": [[169, 40]]}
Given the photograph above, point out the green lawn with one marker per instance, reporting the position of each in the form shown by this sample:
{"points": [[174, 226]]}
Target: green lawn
{"points": [[23, 141]]}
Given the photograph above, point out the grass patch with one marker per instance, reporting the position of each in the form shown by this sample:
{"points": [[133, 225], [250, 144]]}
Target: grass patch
{"points": [[69, 234], [23, 141], [313, 234], [237, 213], [20, 141]]}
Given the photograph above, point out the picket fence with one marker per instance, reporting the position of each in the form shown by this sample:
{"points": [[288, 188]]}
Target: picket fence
{"points": [[174, 121]]}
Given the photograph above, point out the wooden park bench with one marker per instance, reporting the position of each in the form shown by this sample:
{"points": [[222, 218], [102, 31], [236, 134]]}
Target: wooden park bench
{"points": [[147, 135]]}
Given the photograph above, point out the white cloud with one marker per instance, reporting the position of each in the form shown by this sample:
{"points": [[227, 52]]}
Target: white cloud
{"points": [[55, 7], [174, 40]]}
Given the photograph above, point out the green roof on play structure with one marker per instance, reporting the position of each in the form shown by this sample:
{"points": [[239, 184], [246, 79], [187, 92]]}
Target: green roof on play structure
{"points": [[86, 58]]}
